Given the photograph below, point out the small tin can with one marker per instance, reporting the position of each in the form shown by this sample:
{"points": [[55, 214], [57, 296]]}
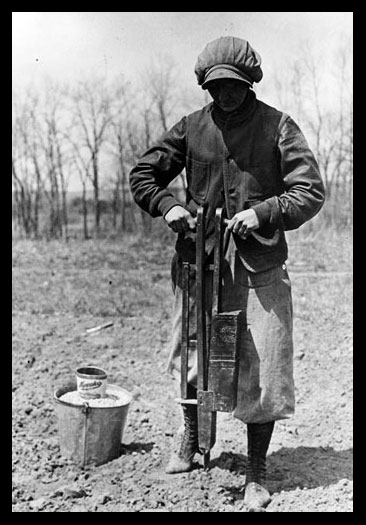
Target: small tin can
{"points": [[91, 382]]}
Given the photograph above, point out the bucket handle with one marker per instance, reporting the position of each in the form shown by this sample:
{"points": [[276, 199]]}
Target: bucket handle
{"points": [[86, 408]]}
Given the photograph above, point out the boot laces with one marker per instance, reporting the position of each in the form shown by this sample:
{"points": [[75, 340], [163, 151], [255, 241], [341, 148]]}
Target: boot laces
{"points": [[189, 442]]}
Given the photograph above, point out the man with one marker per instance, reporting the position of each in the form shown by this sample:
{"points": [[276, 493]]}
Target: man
{"points": [[253, 161]]}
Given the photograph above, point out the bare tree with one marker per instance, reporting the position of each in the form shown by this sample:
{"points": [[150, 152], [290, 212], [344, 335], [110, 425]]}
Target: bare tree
{"points": [[344, 172], [160, 82], [57, 130], [81, 163], [328, 127], [93, 113], [163, 104], [124, 142], [331, 129], [45, 153], [25, 167]]}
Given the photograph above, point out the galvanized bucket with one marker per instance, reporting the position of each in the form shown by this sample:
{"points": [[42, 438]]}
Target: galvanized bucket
{"points": [[91, 435]]}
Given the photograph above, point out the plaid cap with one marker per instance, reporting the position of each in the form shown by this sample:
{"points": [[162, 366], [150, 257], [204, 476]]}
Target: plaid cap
{"points": [[228, 57]]}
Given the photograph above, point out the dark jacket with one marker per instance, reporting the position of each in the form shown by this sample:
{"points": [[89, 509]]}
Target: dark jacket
{"points": [[256, 157]]}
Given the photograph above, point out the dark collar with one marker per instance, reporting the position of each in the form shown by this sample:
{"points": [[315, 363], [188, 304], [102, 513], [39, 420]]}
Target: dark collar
{"points": [[240, 115]]}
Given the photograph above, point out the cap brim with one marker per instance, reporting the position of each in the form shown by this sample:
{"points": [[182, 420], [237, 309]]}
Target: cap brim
{"points": [[222, 73]]}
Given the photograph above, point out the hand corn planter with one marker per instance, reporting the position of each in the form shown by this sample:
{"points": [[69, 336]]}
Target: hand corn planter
{"points": [[217, 348]]}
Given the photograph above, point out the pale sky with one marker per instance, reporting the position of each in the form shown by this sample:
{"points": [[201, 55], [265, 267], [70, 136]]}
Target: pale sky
{"points": [[71, 45]]}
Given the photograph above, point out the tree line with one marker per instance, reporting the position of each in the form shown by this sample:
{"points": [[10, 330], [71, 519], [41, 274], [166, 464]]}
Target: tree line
{"points": [[96, 130]]}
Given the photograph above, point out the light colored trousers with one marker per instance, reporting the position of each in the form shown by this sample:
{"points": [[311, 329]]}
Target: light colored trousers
{"points": [[265, 382]]}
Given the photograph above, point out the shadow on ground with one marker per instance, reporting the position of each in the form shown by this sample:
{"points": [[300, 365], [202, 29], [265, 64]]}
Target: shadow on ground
{"points": [[289, 468], [140, 448]]}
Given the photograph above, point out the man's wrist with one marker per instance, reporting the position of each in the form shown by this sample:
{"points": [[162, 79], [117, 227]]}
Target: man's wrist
{"points": [[167, 204], [263, 212]]}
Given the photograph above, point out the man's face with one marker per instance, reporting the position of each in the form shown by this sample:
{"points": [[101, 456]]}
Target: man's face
{"points": [[228, 94]]}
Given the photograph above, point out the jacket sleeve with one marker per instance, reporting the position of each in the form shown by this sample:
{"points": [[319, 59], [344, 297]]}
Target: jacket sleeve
{"points": [[303, 189], [157, 167]]}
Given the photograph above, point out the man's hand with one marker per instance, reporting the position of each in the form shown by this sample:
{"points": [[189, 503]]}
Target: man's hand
{"points": [[180, 220], [243, 223]]}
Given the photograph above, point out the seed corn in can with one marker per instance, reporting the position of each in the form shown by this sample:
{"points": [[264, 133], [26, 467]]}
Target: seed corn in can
{"points": [[91, 382]]}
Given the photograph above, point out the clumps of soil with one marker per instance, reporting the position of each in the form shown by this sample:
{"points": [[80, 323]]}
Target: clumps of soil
{"points": [[310, 459]]}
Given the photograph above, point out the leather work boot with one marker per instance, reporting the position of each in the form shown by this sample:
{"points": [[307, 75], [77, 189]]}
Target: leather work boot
{"points": [[256, 496], [186, 441]]}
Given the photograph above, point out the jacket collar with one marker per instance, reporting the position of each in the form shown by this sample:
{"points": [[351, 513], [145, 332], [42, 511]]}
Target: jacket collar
{"points": [[240, 115]]}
